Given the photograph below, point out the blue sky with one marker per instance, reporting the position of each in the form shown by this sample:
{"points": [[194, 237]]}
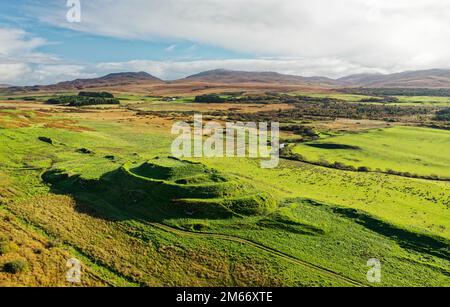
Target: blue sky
{"points": [[173, 38], [75, 46]]}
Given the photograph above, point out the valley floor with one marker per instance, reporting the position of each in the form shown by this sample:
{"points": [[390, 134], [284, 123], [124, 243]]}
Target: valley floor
{"points": [[325, 227]]}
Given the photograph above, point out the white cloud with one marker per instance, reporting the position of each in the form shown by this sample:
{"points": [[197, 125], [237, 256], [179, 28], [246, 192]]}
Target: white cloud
{"points": [[384, 34], [171, 48], [22, 64], [16, 41], [13, 71], [16, 53], [50, 73], [321, 37], [171, 70]]}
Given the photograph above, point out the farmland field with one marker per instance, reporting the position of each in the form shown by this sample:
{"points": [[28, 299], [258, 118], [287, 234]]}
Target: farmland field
{"points": [[405, 149], [401, 100]]}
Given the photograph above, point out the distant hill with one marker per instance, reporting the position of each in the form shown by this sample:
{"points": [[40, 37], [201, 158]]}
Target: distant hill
{"points": [[222, 78], [112, 80], [115, 79], [432, 78], [233, 76], [359, 79]]}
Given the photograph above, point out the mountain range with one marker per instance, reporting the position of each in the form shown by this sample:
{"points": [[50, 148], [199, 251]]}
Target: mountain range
{"points": [[111, 80], [233, 76], [433, 78]]}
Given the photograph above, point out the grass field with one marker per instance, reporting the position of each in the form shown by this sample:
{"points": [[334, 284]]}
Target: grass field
{"points": [[193, 261], [424, 100], [76, 184], [415, 150], [402, 100]]}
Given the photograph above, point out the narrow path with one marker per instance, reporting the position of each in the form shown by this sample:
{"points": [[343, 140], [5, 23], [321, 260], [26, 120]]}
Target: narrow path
{"points": [[261, 247]]}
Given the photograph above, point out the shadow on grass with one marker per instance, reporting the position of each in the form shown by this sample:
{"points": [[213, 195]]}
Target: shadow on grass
{"points": [[118, 197], [333, 146], [406, 239]]}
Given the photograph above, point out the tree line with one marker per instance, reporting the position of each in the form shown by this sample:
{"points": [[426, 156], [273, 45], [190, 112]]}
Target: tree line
{"points": [[85, 99]]}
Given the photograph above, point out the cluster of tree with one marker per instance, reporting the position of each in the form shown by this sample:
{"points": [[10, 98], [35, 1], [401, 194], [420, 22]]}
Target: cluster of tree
{"points": [[385, 99], [317, 99], [306, 132], [255, 99], [210, 98], [334, 110], [280, 98], [443, 115], [22, 98], [266, 98], [96, 94], [283, 98], [438, 92], [85, 99], [233, 94]]}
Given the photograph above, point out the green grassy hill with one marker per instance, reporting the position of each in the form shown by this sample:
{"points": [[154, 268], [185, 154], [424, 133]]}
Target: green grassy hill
{"points": [[166, 187]]}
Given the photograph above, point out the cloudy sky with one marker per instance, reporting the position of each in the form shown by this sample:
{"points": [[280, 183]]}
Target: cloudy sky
{"points": [[175, 38]]}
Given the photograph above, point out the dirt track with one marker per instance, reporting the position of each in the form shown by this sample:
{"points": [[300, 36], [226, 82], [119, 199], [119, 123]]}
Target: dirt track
{"points": [[270, 250]]}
